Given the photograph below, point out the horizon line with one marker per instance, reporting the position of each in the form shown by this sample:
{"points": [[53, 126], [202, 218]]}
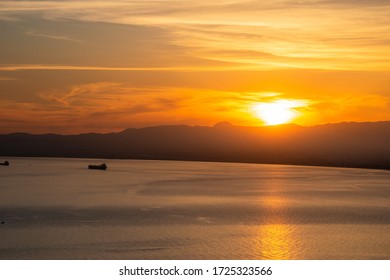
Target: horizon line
{"points": [[221, 123]]}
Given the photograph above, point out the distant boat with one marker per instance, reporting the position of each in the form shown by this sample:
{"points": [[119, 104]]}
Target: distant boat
{"points": [[102, 166], [4, 163]]}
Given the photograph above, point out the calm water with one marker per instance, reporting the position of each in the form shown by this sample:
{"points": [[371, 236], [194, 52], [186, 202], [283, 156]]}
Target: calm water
{"points": [[58, 209]]}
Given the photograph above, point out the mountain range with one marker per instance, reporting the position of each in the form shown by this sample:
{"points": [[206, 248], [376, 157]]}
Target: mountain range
{"points": [[364, 144]]}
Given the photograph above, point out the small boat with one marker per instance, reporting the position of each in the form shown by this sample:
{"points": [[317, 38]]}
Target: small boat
{"points": [[102, 166], [4, 163]]}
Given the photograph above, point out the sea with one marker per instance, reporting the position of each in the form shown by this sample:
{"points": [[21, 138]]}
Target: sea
{"points": [[57, 208]]}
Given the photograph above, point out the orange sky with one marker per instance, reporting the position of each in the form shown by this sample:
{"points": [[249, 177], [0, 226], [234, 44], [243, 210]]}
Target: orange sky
{"points": [[82, 66]]}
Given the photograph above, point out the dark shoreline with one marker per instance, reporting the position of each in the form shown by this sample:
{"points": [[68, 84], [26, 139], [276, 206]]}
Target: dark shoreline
{"points": [[100, 159], [349, 145]]}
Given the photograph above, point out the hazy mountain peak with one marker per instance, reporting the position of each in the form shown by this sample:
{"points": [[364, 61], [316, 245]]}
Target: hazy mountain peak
{"points": [[223, 124]]}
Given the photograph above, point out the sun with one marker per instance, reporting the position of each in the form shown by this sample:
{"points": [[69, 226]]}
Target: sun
{"points": [[276, 112]]}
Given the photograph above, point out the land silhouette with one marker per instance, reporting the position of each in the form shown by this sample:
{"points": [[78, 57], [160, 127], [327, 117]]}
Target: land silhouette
{"points": [[364, 144]]}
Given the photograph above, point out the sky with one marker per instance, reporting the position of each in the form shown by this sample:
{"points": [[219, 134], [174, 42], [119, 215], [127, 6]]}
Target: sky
{"points": [[103, 66]]}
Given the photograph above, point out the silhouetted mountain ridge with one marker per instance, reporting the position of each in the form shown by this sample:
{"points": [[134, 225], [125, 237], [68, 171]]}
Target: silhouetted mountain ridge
{"points": [[340, 144]]}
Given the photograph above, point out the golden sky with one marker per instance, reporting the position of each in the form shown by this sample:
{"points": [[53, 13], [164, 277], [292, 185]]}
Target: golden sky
{"points": [[102, 66]]}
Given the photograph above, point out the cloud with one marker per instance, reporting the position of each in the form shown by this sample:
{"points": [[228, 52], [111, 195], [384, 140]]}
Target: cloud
{"points": [[102, 107], [94, 68], [7, 79], [54, 37], [352, 3], [111, 98], [39, 44], [355, 107], [203, 33]]}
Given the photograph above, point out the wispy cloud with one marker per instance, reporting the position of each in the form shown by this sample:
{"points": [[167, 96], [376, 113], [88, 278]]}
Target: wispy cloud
{"points": [[93, 68], [351, 3], [54, 37], [290, 30], [7, 79]]}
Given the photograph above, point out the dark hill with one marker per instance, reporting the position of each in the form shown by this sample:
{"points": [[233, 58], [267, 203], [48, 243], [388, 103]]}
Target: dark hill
{"points": [[343, 144]]}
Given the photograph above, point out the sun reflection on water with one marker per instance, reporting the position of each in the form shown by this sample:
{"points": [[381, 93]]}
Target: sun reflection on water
{"points": [[274, 241], [275, 238]]}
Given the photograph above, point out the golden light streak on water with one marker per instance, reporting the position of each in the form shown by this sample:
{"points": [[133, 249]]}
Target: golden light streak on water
{"points": [[275, 239]]}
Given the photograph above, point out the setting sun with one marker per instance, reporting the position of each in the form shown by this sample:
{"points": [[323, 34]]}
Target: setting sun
{"points": [[277, 112]]}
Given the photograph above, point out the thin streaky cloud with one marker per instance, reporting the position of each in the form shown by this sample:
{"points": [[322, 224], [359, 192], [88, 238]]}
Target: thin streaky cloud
{"points": [[54, 37], [7, 79], [93, 68], [302, 35]]}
